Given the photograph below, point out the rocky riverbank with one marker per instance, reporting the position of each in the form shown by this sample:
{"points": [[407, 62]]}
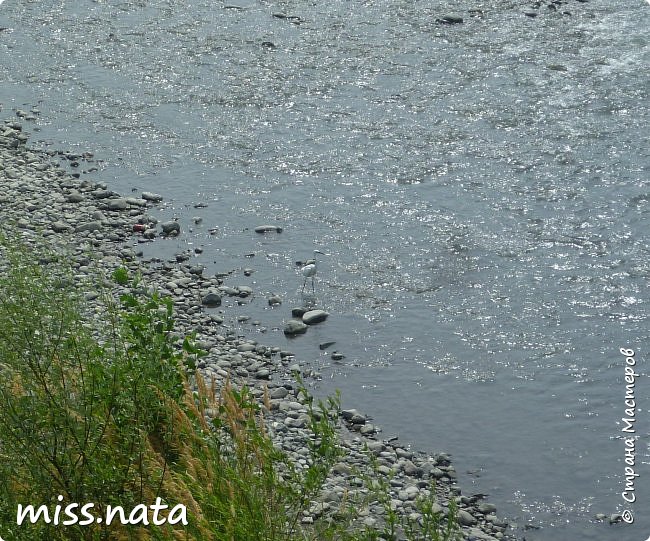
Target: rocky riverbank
{"points": [[41, 202]]}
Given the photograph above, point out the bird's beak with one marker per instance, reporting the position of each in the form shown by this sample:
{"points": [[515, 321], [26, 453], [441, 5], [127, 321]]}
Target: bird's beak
{"points": [[319, 252]]}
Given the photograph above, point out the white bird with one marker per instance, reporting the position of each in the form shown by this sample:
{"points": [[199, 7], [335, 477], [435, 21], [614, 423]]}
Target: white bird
{"points": [[309, 270]]}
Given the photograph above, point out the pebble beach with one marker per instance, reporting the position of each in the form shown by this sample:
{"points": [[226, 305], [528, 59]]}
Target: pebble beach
{"points": [[42, 203]]}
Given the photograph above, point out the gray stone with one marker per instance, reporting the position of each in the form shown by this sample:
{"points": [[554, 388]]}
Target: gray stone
{"points": [[171, 227], [314, 316], [480, 535], [465, 518], [136, 202], [279, 392], [295, 327], [274, 300], [245, 291], [211, 300], [150, 196], [412, 470], [300, 422], [61, 227], [349, 414], [230, 291], [268, 229], [263, 373], [74, 197], [437, 509], [450, 19], [101, 194], [89, 226], [117, 204], [486, 508]]}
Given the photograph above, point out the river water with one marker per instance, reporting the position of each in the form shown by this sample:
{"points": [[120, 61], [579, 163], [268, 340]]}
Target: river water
{"points": [[481, 191]]}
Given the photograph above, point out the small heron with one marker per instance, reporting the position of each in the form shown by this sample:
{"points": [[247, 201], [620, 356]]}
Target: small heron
{"points": [[309, 270]]}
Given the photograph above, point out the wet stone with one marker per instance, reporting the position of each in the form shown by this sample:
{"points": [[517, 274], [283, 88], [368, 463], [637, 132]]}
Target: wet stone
{"points": [[211, 300], [117, 204], [295, 327]]}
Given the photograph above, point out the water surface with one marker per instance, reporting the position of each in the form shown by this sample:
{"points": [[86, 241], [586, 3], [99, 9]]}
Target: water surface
{"points": [[481, 190]]}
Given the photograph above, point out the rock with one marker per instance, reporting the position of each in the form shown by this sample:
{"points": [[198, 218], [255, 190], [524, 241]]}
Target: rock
{"points": [[279, 392], [295, 327], [61, 227], [295, 423], [274, 300], [412, 470], [357, 419], [171, 228], [74, 197], [487, 508], [136, 202], [531, 14], [348, 415], [89, 226], [314, 316], [479, 535], [450, 19], [117, 204], [268, 229], [211, 300], [101, 194], [465, 518], [263, 373], [298, 312], [336, 356], [244, 291], [230, 291], [150, 196]]}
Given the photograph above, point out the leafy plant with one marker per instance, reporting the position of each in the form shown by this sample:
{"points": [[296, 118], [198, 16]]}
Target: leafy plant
{"points": [[110, 410]]}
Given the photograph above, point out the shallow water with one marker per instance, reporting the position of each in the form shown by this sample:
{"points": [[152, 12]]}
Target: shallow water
{"points": [[481, 191]]}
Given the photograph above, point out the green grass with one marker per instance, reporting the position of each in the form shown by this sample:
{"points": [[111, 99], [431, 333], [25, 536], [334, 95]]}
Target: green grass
{"points": [[111, 411]]}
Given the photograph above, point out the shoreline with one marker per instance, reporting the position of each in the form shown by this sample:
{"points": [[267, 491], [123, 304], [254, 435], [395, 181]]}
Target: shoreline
{"points": [[40, 201]]}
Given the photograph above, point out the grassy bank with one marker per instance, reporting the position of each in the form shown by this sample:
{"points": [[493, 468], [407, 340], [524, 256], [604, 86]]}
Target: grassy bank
{"points": [[111, 411]]}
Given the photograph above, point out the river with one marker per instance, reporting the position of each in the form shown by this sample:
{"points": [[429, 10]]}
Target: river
{"points": [[481, 191]]}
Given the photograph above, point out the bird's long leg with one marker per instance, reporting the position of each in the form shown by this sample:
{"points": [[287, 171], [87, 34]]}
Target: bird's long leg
{"points": [[312, 285], [304, 284]]}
